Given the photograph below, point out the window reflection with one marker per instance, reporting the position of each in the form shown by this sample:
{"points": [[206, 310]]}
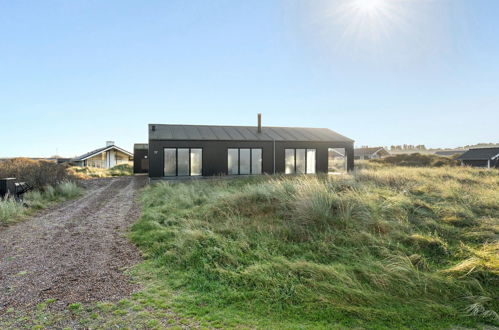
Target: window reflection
{"points": [[196, 161], [170, 167], [233, 161], [337, 160]]}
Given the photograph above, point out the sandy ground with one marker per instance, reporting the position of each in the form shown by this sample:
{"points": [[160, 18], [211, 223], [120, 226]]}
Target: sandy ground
{"points": [[75, 252]]}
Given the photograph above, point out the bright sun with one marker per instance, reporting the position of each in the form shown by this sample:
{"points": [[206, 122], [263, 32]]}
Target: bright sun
{"points": [[369, 6]]}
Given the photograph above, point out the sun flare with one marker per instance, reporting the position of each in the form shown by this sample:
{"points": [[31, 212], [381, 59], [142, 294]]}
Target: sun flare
{"points": [[371, 20], [369, 6]]}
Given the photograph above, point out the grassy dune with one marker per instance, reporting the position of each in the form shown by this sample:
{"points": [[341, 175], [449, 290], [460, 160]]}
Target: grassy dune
{"points": [[85, 173], [385, 247]]}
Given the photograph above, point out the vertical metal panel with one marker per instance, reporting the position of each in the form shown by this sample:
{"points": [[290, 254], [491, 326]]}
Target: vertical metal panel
{"points": [[140, 161]]}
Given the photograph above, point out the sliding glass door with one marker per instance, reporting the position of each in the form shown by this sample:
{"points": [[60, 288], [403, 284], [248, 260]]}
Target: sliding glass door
{"points": [[243, 161], [183, 161], [300, 161], [170, 168], [196, 161]]}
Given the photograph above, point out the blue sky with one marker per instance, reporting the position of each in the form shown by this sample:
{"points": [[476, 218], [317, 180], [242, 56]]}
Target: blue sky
{"points": [[76, 73]]}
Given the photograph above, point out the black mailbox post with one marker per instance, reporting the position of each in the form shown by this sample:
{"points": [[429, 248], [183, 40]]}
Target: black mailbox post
{"points": [[7, 186]]}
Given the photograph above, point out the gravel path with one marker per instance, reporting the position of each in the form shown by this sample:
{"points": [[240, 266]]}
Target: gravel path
{"points": [[74, 252]]}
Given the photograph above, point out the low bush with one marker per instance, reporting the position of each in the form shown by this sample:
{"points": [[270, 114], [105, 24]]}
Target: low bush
{"points": [[417, 160], [38, 173]]}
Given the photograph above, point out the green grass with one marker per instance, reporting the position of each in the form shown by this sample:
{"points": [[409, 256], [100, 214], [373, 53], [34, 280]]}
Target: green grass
{"points": [[385, 247], [93, 172], [12, 211], [142, 310], [417, 160]]}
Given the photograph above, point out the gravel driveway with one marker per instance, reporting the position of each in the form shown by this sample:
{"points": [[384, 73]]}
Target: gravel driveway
{"points": [[74, 252]]}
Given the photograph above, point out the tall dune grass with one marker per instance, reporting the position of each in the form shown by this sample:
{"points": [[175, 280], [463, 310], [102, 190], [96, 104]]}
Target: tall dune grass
{"points": [[381, 247], [93, 172], [12, 211]]}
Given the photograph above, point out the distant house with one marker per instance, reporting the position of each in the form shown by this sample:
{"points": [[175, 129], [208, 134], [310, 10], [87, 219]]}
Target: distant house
{"points": [[370, 153], [450, 153], [481, 157], [105, 157]]}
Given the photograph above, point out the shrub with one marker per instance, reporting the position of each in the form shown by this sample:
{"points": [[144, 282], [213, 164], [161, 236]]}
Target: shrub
{"points": [[121, 170], [68, 190], [417, 160], [38, 173]]}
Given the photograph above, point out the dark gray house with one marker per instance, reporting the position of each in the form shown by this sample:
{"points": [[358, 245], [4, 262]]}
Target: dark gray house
{"points": [[198, 150], [481, 157]]}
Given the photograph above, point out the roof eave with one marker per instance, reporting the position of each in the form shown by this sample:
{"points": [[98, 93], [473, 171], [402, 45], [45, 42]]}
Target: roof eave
{"points": [[104, 150], [262, 140]]}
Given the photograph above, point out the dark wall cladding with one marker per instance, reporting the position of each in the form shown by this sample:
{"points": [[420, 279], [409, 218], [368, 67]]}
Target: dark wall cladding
{"points": [[215, 154], [481, 163], [140, 160]]}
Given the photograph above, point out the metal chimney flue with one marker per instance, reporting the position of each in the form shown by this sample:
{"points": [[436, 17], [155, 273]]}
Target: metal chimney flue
{"points": [[259, 123]]}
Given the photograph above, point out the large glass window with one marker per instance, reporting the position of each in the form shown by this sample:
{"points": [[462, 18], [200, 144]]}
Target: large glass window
{"points": [[290, 161], [337, 160], [196, 161], [233, 161], [183, 161], [170, 162], [311, 161], [300, 161], [256, 161], [244, 161]]}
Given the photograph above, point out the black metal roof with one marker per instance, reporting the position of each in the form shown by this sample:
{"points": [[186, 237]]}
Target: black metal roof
{"points": [[243, 133], [98, 151], [480, 154]]}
